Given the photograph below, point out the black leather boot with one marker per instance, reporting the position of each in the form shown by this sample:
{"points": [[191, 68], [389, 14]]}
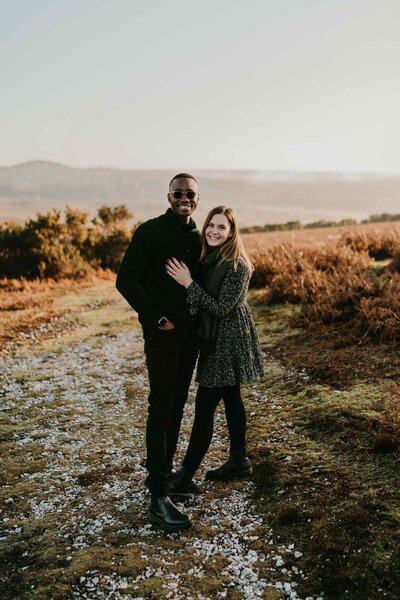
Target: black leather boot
{"points": [[236, 467], [181, 484], [164, 513]]}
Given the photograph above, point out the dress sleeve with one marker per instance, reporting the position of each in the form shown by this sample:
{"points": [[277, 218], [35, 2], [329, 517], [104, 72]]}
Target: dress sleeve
{"points": [[234, 284]]}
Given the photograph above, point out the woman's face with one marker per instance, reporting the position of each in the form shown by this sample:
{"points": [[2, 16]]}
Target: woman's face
{"points": [[218, 230]]}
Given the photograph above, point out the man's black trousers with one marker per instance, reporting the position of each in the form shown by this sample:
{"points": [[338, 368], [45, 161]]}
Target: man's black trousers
{"points": [[170, 363]]}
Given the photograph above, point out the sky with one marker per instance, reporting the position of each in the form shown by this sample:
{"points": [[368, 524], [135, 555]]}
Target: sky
{"points": [[306, 85]]}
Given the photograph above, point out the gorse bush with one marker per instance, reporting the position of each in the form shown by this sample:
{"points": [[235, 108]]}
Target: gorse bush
{"points": [[52, 247]]}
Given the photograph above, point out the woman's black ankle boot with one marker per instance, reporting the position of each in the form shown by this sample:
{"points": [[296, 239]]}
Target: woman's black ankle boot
{"points": [[237, 466], [181, 483]]}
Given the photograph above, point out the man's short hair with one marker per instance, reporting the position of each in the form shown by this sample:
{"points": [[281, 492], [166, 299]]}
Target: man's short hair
{"points": [[183, 176]]}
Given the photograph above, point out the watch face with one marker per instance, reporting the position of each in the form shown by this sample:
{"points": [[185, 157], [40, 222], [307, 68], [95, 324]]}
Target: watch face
{"points": [[162, 321]]}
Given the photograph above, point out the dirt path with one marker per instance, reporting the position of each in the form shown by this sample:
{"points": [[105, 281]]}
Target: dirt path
{"points": [[74, 506]]}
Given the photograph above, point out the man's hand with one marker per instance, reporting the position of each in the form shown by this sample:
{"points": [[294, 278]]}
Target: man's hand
{"points": [[167, 325]]}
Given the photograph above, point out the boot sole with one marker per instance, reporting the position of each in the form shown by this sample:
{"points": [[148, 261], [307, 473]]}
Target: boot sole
{"points": [[172, 528], [231, 476]]}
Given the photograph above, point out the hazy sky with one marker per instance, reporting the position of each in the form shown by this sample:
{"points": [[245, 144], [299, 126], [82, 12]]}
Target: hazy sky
{"points": [[182, 84]]}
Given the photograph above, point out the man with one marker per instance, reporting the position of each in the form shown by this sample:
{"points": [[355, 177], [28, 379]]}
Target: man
{"points": [[168, 333]]}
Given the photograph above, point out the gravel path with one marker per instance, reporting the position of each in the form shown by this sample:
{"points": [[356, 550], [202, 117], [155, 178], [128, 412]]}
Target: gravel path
{"points": [[81, 412]]}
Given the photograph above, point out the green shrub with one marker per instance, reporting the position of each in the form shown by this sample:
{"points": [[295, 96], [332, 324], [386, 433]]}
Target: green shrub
{"points": [[51, 247]]}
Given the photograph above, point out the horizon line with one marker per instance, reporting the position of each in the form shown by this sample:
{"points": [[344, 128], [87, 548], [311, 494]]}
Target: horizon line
{"points": [[199, 169]]}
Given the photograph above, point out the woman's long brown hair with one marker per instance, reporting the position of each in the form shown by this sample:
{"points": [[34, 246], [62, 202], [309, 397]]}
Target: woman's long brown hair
{"points": [[232, 248]]}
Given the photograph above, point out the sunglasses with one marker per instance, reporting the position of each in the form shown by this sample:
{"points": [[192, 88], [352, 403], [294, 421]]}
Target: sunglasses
{"points": [[190, 194]]}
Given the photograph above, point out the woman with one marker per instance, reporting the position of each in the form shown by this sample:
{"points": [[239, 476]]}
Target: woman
{"points": [[229, 350]]}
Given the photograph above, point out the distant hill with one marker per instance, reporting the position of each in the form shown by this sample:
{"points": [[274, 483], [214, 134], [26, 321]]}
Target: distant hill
{"points": [[259, 197]]}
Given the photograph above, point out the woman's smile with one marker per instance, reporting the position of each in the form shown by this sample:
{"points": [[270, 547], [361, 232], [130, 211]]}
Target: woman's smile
{"points": [[213, 238], [218, 230]]}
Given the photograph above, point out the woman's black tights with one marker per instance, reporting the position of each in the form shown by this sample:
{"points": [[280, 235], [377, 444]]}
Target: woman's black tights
{"points": [[207, 400]]}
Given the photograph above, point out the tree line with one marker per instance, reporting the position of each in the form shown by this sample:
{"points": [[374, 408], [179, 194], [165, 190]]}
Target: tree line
{"points": [[296, 225]]}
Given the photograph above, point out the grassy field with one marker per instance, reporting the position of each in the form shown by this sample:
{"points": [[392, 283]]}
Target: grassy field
{"points": [[319, 519], [256, 242]]}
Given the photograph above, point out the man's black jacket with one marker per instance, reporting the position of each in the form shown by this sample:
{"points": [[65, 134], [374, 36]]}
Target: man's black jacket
{"points": [[142, 279]]}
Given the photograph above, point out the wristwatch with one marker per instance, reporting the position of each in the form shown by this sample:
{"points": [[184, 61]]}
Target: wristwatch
{"points": [[161, 322]]}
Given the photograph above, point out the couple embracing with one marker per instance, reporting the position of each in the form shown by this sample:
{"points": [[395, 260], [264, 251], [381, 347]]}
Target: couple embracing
{"points": [[189, 289]]}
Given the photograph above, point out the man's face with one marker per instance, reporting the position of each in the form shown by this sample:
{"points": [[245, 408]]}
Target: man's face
{"points": [[183, 206]]}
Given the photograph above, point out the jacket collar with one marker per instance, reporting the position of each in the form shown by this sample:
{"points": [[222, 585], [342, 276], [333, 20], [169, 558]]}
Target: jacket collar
{"points": [[174, 220]]}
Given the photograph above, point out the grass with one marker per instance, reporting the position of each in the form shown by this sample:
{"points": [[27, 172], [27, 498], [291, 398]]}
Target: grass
{"points": [[321, 512], [333, 483]]}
